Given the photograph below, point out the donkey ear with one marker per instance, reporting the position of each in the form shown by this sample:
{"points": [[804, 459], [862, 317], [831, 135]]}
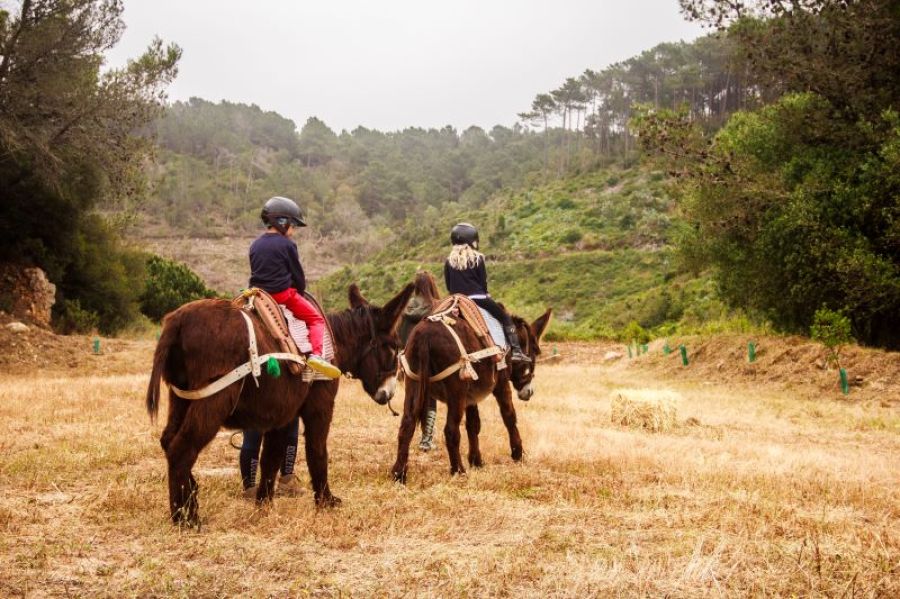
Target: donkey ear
{"points": [[356, 298], [539, 326], [393, 310]]}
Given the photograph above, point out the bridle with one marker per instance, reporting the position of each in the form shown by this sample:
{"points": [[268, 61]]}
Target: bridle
{"points": [[382, 373]]}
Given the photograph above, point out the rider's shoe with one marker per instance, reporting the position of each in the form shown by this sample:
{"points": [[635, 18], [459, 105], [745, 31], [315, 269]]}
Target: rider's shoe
{"points": [[323, 366], [288, 486], [515, 355]]}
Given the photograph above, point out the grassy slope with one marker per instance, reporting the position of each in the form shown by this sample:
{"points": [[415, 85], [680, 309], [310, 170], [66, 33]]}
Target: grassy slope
{"points": [[594, 247]]}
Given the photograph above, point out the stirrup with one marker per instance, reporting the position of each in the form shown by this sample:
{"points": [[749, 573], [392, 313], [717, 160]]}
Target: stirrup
{"points": [[518, 357]]}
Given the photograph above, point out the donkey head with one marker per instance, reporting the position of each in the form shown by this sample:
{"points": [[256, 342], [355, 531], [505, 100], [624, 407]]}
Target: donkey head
{"points": [[377, 343], [529, 338]]}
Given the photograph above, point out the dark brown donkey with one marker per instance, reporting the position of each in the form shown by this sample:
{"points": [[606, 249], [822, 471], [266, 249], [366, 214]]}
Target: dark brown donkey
{"points": [[203, 340], [429, 350]]}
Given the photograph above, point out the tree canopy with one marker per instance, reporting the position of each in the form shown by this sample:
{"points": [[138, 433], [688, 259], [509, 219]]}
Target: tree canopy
{"points": [[68, 142], [795, 205]]}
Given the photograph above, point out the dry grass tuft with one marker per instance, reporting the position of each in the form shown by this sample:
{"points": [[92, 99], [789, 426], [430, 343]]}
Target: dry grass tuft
{"points": [[649, 409]]}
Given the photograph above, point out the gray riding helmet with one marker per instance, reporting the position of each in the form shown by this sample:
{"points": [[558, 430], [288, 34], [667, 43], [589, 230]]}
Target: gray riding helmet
{"points": [[281, 207], [464, 233]]}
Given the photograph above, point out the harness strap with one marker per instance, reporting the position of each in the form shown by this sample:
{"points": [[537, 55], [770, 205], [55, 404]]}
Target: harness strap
{"points": [[465, 360], [252, 366], [253, 349], [234, 376]]}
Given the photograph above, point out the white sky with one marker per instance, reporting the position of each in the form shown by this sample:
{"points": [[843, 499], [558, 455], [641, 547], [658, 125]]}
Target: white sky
{"points": [[391, 64]]}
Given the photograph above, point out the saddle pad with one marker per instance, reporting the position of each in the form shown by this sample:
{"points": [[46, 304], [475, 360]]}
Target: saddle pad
{"points": [[300, 333], [462, 306], [494, 327]]}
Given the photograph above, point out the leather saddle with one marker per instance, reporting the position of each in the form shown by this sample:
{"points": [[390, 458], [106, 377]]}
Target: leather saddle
{"points": [[268, 312]]}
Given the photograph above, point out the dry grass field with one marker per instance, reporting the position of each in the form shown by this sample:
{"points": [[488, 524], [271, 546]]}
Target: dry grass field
{"points": [[756, 491]]}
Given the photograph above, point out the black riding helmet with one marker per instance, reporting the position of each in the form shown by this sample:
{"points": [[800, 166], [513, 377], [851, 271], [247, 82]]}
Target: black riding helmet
{"points": [[280, 212], [464, 233]]}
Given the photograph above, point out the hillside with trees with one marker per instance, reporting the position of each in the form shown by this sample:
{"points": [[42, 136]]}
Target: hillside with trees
{"points": [[749, 176], [366, 190], [216, 160], [794, 206]]}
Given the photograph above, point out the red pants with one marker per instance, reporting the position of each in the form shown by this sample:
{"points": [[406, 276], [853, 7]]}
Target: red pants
{"points": [[304, 309]]}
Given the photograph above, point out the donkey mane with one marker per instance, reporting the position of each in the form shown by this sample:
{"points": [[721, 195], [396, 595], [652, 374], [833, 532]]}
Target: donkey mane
{"points": [[352, 322], [426, 287]]}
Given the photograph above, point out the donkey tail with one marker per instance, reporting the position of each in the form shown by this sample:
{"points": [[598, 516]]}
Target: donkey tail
{"points": [[167, 339]]}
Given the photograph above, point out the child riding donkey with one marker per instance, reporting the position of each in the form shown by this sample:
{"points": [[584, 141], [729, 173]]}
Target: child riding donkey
{"points": [[275, 268], [465, 273]]}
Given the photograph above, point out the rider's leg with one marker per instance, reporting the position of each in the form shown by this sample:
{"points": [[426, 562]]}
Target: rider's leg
{"points": [[304, 309], [509, 329], [249, 460], [426, 443]]}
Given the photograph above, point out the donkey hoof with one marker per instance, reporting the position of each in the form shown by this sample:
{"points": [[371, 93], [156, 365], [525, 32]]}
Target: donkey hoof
{"points": [[328, 501], [517, 454], [263, 498], [399, 477], [476, 462], [186, 520]]}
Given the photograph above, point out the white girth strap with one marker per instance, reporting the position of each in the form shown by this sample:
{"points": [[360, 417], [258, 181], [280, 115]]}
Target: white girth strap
{"points": [[465, 358], [473, 357], [252, 366]]}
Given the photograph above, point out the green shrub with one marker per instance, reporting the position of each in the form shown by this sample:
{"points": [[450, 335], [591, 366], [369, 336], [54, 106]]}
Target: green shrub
{"points": [[634, 332], [831, 329], [72, 318], [571, 236], [169, 285]]}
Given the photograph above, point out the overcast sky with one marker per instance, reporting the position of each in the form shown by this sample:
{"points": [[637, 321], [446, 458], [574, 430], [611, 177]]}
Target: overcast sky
{"points": [[391, 64]]}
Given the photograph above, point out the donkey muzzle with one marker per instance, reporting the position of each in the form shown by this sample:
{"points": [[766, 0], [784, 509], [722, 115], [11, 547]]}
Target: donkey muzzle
{"points": [[386, 391], [526, 392]]}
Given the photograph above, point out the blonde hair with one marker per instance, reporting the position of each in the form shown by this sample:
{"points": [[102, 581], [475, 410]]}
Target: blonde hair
{"points": [[463, 257]]}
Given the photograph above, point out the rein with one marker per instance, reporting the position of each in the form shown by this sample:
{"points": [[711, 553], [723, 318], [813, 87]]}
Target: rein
{"points": [[372, 345]]}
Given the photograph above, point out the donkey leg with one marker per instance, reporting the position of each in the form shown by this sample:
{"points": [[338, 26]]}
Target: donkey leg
{"points": [[177, 409], [452, 436], [504, 398], [406, 432], [473, 428], [197, 429], [274, 446], [316, 413]]}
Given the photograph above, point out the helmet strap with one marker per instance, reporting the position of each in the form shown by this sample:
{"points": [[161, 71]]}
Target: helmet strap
{"points": [[281, 228]]}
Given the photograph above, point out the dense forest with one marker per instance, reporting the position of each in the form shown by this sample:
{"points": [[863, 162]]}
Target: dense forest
{"points": [[216, 160], [794, 206]]}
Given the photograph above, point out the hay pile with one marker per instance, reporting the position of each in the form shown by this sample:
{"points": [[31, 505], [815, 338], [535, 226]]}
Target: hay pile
{"points": [[650, 409]]}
